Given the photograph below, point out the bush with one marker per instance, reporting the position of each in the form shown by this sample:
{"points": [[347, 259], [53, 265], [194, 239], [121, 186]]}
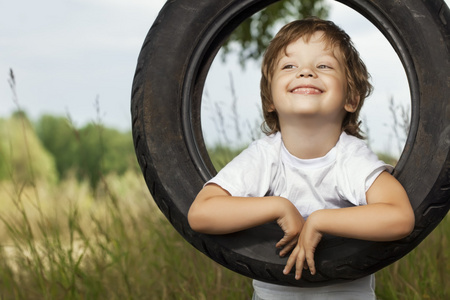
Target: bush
{"points": [[23, 158]]}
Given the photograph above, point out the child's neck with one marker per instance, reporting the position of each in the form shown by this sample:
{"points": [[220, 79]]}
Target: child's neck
{"points": [[310, 142]]}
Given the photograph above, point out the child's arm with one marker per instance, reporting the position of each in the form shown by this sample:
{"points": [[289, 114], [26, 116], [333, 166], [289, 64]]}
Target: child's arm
{"points": [[388, 216], [214, 211]]}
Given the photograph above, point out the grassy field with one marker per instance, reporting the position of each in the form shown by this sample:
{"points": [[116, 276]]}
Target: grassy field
{"points": [[67, 242], [61, 242], [63, 239]]}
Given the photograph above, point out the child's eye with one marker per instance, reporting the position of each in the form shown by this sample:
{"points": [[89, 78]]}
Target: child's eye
{"points": [[323, 67], [287, 67]]}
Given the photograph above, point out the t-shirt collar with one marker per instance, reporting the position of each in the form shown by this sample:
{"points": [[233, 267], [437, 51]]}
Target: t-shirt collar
{"points": [[313, 163]]}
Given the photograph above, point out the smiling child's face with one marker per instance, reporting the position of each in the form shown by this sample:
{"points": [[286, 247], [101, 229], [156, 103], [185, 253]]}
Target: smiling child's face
{"points": [[309, 81]]}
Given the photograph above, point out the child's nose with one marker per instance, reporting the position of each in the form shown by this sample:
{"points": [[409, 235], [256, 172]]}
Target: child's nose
{"points": [[305, 72]]}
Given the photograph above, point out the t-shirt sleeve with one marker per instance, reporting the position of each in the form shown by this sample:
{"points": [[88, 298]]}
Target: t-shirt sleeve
{"points": [[361, 169], [248, 174]]}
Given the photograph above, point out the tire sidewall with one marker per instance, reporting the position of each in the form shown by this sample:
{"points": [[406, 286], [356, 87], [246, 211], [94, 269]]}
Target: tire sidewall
{"points": [[166, 99]]}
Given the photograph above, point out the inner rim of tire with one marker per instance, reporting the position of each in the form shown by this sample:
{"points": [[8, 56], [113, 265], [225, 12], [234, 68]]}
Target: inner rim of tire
{"points": [[210, 43]]}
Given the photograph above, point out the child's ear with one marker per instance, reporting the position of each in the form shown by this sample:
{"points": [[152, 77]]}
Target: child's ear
{"points": [[271, 108], [352, 104]]}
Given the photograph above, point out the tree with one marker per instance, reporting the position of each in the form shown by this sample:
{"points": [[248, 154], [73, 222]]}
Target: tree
{"points": [[23, 158], [102, 151], [90, 152], [251, 38], [60, 139]]}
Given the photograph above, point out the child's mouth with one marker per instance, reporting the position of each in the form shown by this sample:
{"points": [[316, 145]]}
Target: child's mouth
{"points": [[306, 90]]}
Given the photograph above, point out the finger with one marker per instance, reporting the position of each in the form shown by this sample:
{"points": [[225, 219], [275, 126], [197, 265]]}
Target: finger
{"points": [[286, 249], [299, 265], [290, 262], [285, 240], [311, 264]]}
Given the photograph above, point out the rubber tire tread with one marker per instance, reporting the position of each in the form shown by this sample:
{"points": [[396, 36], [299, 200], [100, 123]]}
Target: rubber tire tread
{"points": [[165, 107]]}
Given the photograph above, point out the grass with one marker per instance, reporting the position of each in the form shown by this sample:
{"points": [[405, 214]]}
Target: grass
{"points": [[422, 274], [116, 246], [58, 242], [62, 240]]}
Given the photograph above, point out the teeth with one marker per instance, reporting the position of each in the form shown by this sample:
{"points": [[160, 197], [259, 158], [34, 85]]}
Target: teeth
{"points": [[306, 90]]}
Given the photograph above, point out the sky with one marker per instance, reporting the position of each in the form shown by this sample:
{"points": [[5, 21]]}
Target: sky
{"points": [[69, 55], [77, 58]]}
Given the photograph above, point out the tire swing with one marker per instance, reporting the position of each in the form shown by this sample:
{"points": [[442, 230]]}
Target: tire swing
{"points": [[166, 98]]}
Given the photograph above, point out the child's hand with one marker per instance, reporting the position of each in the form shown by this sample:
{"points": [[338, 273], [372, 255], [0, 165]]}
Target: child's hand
{"points": [[304, 251], [291, 222]]}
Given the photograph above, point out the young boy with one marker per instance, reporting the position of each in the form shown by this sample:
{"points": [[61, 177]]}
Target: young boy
{"points": [[312, 173]]}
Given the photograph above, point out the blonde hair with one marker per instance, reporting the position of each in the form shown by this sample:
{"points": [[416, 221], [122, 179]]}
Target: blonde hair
{"points": [[358, 85]]}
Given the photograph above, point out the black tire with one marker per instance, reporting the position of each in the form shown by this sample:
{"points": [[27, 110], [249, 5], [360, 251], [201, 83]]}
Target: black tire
{"points": [[166, 98]]}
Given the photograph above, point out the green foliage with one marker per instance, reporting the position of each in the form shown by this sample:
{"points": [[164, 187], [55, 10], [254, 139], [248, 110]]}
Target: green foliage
{"points": [[253, 35], [22, 155], [221, 155], [91, 151], [102, 151], [61, 140], [387, 158]]}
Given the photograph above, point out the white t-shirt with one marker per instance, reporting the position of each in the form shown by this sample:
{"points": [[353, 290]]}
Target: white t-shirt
{"points": [[339, 179]]}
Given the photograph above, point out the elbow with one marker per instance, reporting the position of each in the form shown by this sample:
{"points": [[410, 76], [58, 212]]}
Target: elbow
{"points": [[403, 231], [409, 222], [195, 220], [405, 225], [410, 226]]}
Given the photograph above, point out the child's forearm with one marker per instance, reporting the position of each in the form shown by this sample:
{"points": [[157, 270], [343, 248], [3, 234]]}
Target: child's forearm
{"points": [[387, 216], [376, 222], [216, 212], [226, 214]]}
